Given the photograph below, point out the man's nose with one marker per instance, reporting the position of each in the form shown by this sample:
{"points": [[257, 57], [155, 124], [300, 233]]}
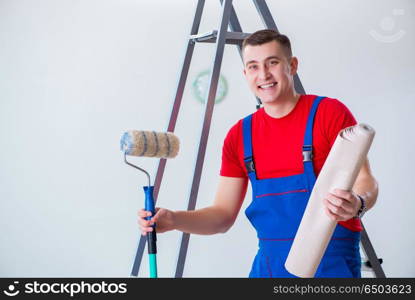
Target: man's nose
{"points": [[264, 73]]}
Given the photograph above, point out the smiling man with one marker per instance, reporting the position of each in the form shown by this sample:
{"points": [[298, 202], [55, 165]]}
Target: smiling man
{"points": [[270, 148]]}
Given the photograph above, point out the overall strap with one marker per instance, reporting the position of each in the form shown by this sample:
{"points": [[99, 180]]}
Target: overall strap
{"points": [[308, 144], [247, 142]]}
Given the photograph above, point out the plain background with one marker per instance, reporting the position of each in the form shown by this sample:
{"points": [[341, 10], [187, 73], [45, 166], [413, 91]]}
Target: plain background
{"points": [[74, 75]]}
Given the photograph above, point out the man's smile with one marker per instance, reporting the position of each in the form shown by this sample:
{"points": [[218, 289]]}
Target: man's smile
{"points": [[267, 85]]}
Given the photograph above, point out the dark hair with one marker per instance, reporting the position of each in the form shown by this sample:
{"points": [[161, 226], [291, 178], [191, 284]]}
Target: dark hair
{"points": [[267, 35]]}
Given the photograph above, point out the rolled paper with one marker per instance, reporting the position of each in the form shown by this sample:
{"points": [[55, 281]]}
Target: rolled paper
{"points": [[339, 171]]}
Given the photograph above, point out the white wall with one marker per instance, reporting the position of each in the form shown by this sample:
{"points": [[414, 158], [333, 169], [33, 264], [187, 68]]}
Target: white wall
{"points": [[74, 75]]}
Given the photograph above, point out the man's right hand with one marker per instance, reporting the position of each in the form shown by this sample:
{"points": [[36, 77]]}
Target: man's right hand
{"points": [[163, 218]]}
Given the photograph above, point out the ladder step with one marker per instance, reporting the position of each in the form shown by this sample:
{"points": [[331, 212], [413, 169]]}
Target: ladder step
{"points": [[233, 38], [369, 265]]}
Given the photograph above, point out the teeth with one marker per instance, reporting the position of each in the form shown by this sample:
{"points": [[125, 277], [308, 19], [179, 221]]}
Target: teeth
{"points": [[267, 85]]}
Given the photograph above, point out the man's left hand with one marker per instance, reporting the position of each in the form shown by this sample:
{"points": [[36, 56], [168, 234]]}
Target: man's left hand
{"points": [[341, 205]]}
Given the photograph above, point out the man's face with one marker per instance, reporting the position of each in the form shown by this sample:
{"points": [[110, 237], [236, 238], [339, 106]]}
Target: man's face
{"points": [[269, 71]]}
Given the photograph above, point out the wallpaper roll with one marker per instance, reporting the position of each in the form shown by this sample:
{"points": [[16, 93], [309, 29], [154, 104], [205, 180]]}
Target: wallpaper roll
{"points": [[340, 170]]}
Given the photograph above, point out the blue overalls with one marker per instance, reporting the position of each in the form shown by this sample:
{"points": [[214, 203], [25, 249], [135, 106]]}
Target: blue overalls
{"points": [[276, 210]]}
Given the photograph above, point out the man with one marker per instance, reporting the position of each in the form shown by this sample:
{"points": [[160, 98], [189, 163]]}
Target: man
{"points": [[267, 148]]}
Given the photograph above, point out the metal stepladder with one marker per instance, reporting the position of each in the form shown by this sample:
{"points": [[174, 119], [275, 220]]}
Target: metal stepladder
{"points": [[221, 37]]}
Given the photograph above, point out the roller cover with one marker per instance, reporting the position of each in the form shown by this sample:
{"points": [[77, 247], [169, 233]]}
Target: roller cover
{"points": [[150, 144]]}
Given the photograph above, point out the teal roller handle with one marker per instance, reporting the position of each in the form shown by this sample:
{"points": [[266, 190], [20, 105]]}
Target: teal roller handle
{"points": [[151, 236], [153, 265]]}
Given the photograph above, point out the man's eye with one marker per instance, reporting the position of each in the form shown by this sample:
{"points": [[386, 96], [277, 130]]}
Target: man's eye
{"points": [[274, 62], [252, 67]]}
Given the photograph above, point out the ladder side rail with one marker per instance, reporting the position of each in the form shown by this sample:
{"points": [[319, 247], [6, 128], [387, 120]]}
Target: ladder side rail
{"points": [[172, 123], [213, 84]]}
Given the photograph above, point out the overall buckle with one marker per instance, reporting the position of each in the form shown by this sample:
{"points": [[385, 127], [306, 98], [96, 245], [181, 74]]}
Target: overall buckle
{"points": [[307, 153], [249, 164]]}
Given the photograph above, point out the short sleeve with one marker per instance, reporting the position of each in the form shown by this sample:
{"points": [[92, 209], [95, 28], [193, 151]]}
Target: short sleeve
{"points": [[232, 153], [336, 117]]}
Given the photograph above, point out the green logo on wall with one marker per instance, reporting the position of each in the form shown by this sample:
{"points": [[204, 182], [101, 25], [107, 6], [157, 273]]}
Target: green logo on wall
{"points": [[201, 88]]}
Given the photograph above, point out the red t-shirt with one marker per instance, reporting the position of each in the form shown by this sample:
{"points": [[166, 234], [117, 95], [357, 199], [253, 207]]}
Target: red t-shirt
{"points": [[277, 142]]}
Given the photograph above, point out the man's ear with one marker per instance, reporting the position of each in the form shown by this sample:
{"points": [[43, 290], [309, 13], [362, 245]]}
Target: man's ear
{"points": [[244, 71], [293, 65]]}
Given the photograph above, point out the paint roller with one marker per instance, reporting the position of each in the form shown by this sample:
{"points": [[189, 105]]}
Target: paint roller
{"points": [[149, 144]]}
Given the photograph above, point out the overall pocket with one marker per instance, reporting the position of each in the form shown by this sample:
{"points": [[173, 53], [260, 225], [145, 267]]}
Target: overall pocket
{"points": [[338, 266]]}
